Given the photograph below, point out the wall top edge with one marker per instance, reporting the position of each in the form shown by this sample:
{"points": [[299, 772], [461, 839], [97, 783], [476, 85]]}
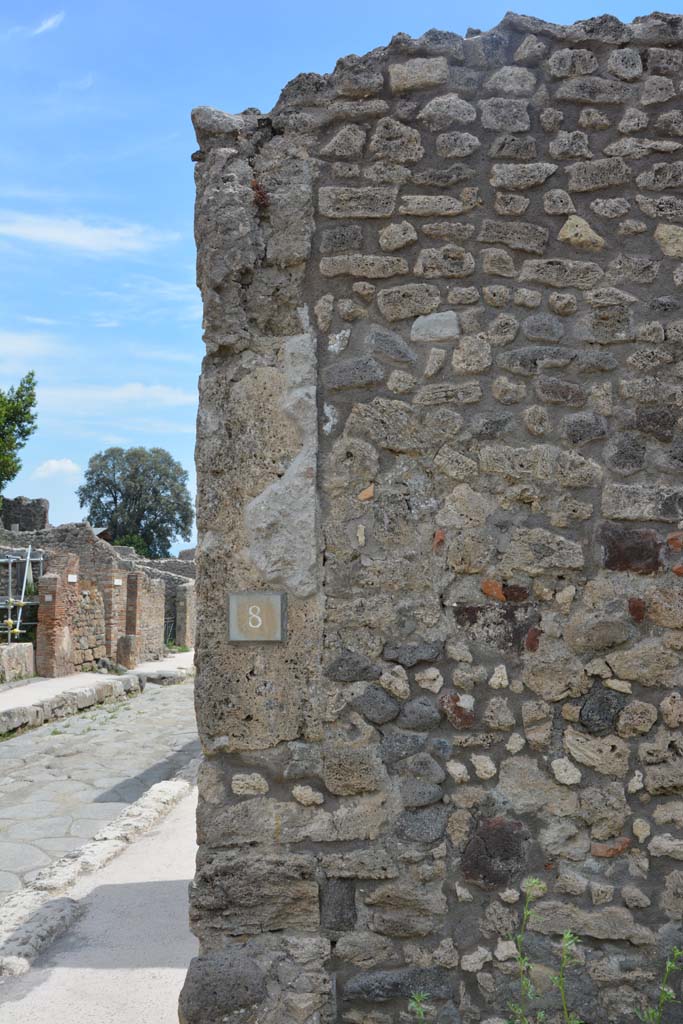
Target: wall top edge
{"points": [[215, 127]]}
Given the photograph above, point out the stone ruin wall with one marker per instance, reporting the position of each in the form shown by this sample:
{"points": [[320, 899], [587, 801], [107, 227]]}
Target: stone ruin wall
{"points": [[441, 410], [70, 633], [144, 617], [20, 514], [163, 600]]}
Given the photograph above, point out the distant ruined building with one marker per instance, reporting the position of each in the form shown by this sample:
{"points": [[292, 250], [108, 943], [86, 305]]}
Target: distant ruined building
{"points": [[441, 423], [89, 602]]}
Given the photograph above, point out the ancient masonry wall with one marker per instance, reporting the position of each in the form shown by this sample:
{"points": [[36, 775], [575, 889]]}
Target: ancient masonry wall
{"points": [[122, 605], [24, 513], [441, 410], [186, 615], [70, 634], [144, 619]]}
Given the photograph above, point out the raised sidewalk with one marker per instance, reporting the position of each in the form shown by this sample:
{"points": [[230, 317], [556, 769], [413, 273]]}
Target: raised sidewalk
{"points": [[33, 702]]}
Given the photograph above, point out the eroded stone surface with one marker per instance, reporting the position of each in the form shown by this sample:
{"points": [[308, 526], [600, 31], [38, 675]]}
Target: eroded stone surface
{"points": [[442, 410]]}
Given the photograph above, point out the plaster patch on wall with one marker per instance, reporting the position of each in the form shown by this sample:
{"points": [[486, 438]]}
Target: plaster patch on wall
{"points": [[281, 521]]}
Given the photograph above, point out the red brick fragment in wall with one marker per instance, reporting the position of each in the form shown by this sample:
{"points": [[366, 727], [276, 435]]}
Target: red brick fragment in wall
{"points": [[612, 848], [494, 589], [458, 716]]}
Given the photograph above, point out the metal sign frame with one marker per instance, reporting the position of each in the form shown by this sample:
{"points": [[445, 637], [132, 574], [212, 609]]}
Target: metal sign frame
{"points": [[257, 617]]}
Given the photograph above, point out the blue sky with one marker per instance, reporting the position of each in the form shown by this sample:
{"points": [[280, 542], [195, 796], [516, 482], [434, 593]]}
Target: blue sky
{"points": [[96, 190]]}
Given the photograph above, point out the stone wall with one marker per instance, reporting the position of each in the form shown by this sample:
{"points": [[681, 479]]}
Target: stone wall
{"points": [[144, 640], [108, 567], [441, 410], [25, 513], [186, 615], [71, 619], [17, 661]]}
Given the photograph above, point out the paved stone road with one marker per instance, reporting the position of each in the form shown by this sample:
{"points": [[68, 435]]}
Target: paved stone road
{"points": [[61, 783]]}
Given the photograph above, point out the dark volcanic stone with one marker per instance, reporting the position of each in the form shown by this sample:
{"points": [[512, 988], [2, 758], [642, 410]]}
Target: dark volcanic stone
{"points": [[625, 453], [592, 362], [495, 852], [419, 713], [513, 147], [350, 667], [353, 373], [543, 327], [378, 986], [398, 745], [659, 423], [487, 427], [390, 344], [416, 793], [583, 427], [444, 177], [448, 1015], [560, 392], [338, 904], [409, 654], [346, 238], [526, 361], [439, 746], [628, 550], [424, 826], [376, 704], [218, 984], [422, 767], [600, 709]]}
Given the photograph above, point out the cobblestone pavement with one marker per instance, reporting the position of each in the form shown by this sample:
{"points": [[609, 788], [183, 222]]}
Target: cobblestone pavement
{"points": [[60, 783]]}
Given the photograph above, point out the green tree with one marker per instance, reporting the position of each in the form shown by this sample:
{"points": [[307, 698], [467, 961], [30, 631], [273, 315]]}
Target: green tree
{"points": [[17, 423], [132, 540], [138, 492]]}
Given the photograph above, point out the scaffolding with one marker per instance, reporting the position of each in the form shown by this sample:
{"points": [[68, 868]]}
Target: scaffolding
{"points": [[19, 571]]}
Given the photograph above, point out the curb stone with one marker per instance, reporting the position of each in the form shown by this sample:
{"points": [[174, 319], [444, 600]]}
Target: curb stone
{"points": [[70, 702], [33, 917]]}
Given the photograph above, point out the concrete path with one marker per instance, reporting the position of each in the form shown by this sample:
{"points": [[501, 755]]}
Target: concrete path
{"points": [[30, 691], [124, 961], [60, 783]]}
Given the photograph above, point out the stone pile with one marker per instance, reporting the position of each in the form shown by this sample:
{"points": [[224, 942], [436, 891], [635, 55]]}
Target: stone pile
{"points": [[441, 410]]}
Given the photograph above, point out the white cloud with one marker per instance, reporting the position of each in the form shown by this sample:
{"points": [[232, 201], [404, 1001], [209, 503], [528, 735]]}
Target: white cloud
{"points": [[21, 351], [27, 345], [166, 355], [56, 467], [48, 195], [100, 400], [72, 233], [48, 24], [42, 321]]}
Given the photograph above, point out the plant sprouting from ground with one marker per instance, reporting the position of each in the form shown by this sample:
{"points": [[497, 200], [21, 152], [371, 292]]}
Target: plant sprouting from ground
{"points": [[568, 959], [654, 1014], [533, 888], [418, 1005]]}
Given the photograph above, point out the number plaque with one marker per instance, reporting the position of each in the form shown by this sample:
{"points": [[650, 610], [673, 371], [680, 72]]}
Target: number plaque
{"points": [[257, 616]]}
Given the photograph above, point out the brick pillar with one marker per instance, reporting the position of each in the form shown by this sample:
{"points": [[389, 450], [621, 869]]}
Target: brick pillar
{"points": [[133, 602], [128, 643], [57, 602], [112, 585]]}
